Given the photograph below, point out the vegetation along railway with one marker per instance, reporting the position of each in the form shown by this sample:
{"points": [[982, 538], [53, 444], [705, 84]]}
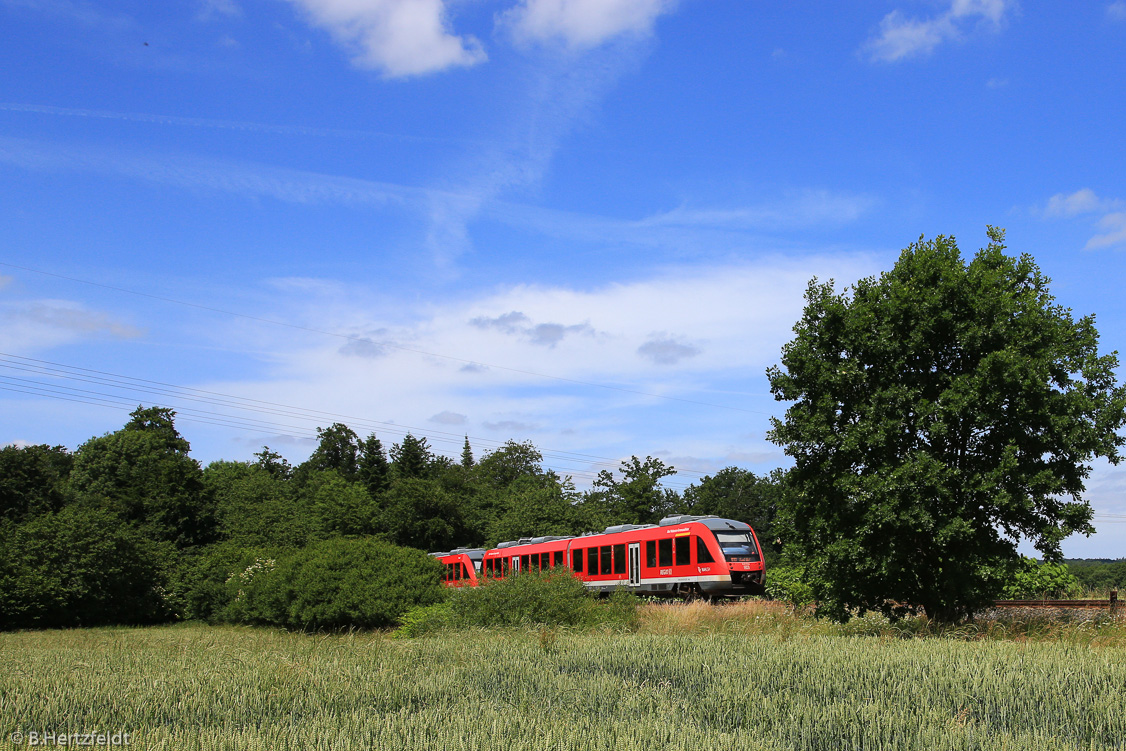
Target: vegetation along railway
{"points": [[685, 556]]}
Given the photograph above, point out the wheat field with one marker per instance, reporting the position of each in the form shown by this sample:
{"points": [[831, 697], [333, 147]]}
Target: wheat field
{"points": [[669, 686]]}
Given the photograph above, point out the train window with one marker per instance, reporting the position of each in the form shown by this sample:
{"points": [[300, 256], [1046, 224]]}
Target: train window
{"points": [[683, 550], [703, 555], [664, 550], [607, 562], [489, 567], [466, 573], [545, 560], [457, 571], [558, 557], [619, 559], [577, 560], [651, 553], [524, 563], [592, 561]]}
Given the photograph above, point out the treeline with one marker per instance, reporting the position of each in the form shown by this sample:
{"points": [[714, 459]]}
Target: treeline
{"points": [[129, 528], [1096, 574]]}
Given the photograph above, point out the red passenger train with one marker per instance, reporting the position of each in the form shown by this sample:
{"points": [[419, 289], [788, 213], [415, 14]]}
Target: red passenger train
{"points": [[683, 555]]}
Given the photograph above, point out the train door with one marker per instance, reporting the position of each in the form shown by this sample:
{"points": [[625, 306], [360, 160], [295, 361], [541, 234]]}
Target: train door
{"points": [[635, 564], [516, 564]]}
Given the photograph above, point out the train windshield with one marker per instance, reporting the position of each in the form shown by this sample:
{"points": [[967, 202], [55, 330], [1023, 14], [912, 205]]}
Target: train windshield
{"points": [[737, 546]]}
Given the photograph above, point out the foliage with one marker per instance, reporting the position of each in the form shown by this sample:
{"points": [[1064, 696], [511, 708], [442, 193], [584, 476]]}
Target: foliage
{"points": [[274, 463], [143, 474], [80, 567], [412, 458], [1029, 578], [338, 450], [374, 471], [424, 620], [499, 469], [207, 585], [334, 584], [1100, 574], [342, 508], [256, 506], [33, 480], [940, 413], [551, 598], [637, 498], [789, 584], [534, 506], [421, 514]]}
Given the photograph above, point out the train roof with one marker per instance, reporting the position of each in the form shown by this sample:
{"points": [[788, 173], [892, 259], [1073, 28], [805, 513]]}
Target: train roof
{"points": [[714, 523]]}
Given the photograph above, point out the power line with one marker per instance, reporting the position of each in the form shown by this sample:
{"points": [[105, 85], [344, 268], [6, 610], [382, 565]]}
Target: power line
{"points": [[103, 378], [389, 345], [562, 461]]}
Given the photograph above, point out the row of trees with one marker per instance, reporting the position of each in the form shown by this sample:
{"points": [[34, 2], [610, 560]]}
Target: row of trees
{"points": [[131, 528]]}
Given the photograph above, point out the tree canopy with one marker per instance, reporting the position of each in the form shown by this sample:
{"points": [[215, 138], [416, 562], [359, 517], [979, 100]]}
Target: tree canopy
{"points": [[940, 413]]}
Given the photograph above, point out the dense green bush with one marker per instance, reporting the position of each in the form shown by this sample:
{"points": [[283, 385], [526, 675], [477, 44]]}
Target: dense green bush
{"points": [[205, 587], [789, 584], [1031, 579], [424, 620], [552, 598], [80, 567], [337, 583]]}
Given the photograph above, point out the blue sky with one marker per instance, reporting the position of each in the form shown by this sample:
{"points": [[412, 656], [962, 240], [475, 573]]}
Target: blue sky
{"points": [[584, 223]]}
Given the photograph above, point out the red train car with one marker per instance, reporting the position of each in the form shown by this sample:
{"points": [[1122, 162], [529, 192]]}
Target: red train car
{"points": [[683, 555], [463, 566]]}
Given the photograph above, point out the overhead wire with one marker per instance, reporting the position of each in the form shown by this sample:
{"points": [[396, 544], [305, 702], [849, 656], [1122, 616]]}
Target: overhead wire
{"points": [[387, 344], [577, 465]]}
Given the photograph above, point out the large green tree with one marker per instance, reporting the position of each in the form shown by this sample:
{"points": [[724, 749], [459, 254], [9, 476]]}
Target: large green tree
{"points": [[940, 413], [338, 449], [638, 497], [143, 473]]}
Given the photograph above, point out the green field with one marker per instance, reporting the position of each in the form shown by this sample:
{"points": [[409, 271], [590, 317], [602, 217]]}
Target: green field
{"points": [[770, 683]]}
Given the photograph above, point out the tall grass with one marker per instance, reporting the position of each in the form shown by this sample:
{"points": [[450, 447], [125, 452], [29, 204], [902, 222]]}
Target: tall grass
{"points": [[1095, 627], [710, 684]]}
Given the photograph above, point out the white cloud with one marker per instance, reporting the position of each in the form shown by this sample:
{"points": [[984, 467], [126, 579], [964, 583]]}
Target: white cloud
{"points": [[1116, 11], [581, 24], [725, 323], [1085, 201], [38, 324], [1115, 234], [901, 37], [398, 37]]}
